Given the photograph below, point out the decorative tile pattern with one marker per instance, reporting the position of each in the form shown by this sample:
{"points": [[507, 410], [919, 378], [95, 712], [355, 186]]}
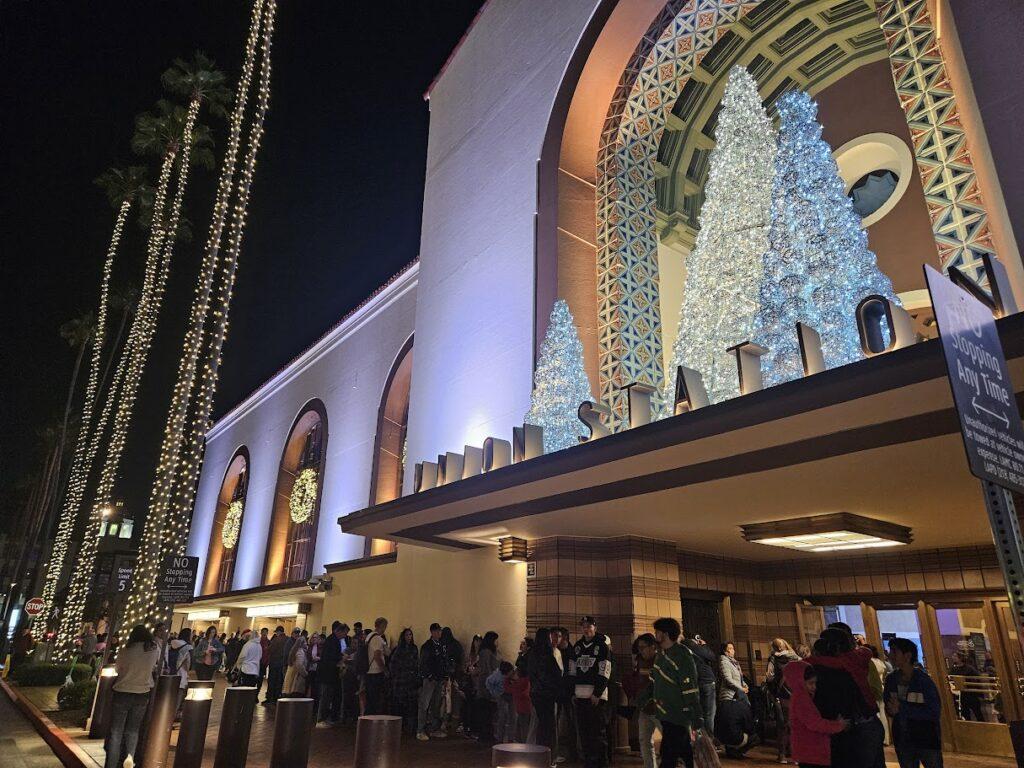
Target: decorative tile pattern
{"points": [[629, 318], [959, 219], [629, 321]]}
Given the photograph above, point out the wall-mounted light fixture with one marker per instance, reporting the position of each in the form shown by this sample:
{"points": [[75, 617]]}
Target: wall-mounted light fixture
{"points": [[836, 532], [512, 549]]}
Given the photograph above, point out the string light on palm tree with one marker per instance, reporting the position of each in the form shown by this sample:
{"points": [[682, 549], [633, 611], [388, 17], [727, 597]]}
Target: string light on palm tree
{"points": [[124, 188], [171, 499], [185, 142]]}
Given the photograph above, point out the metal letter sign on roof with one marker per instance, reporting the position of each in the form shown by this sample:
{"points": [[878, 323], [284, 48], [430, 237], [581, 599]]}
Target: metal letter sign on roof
{"points": [[982, 390]]}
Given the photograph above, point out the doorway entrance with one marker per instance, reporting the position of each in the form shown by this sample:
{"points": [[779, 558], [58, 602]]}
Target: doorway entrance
{"points": [[703, 617]]}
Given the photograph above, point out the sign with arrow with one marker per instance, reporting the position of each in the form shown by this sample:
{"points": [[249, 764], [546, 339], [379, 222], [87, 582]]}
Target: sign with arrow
{"points": [[982, 390]]}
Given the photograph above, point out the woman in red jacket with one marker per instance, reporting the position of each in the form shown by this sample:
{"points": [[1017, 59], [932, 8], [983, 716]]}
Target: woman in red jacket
{"points": [[810, 733]]}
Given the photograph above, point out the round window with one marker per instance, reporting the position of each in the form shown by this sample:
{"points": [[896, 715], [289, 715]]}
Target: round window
{"points": [[872, 190], [877, 169]]}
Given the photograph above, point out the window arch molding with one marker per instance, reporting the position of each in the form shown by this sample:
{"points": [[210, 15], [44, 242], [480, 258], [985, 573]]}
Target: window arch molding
{"points": [[220, 559], [388, 471], [291, 546]]}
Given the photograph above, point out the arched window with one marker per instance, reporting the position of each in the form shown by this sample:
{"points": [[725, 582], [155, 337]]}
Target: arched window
{"points": [[292, 539], [389, 451], [227, 525]]}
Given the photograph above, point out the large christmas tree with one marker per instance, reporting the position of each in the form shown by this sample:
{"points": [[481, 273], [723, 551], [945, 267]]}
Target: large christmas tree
{"points": [[818, 265], [723, 272], [560, 383]]}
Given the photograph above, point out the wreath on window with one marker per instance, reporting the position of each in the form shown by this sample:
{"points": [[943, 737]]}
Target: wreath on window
{"points": [[232, 525], [303, 497]]}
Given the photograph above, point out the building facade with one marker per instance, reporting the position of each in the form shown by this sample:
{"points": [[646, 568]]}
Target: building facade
{"points": [[568, 156]]}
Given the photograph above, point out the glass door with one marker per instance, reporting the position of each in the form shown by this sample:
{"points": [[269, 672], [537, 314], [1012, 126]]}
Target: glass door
{"points": [[968, 664]]}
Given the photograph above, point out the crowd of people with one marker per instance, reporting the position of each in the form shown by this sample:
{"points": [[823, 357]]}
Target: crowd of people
{"points": [[831, 704]]}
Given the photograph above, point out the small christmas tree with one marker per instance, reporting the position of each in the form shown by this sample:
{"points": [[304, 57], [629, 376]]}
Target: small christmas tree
{"points": [[560, 383], [723, 272], [818, 265]]}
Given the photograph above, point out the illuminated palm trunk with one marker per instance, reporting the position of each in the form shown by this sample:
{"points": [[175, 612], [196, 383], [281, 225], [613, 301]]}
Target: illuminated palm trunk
{"points": [[167, 527]]}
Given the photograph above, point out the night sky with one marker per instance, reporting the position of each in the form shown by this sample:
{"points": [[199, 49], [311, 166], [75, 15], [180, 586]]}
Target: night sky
{"points": [[335, 208]]}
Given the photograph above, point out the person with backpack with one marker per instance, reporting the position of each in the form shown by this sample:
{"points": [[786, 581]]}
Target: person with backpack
{"points": [[779, 693], [373, 656], [179, 661], [707, 682]]}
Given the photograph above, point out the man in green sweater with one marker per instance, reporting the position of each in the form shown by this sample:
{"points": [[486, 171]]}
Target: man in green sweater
{"points": [[676, 695]]}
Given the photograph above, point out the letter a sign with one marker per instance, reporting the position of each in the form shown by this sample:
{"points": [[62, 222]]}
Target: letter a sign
{"points": [[982, 390]]}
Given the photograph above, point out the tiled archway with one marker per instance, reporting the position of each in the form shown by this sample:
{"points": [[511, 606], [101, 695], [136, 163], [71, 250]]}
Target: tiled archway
{"points": [[628, 315]]}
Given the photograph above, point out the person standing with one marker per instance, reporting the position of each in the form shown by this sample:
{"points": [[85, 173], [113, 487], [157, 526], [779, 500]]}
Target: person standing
{"points": [[248, 661], [912, 700], [277, 660], [487, 661], [377, 653], [160, 638], [781, 655], [810, 733], [295, 679], [23, 645], [405, 680], [313, 680], [676, 695], [134, 665], [434, 672], [567, 735], [704, 658], [545, 675], [329, 674], [639, 687], [179, 655], [264, 658], [232, 648], [591, 670], [209, 652]]}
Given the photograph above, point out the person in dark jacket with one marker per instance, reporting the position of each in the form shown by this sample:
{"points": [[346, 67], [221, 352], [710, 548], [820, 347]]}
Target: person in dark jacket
{"points": [[434, 671], [912, 700], [404, 669], [545, 686], [329, 676], [591, 669], [232, 648], [839, 694], [705, 660], [277, 661]]}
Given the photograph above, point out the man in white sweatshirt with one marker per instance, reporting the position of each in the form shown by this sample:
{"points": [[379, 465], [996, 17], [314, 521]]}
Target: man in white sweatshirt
{"points": [[248, 663]]}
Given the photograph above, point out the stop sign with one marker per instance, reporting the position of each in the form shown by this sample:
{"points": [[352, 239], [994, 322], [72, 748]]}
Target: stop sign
{"points": [[35, 606]]}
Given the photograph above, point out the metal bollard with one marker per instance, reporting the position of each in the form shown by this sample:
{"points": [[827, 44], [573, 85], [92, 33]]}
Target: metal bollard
{"points": [[195, 717], [235, 726], [102, 703], [520, 756], [378, 742], [293, 720], [161, 718]]}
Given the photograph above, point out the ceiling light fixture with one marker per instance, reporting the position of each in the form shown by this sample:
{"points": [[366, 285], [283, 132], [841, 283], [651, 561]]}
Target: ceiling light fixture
{"points": [[836, 532]]}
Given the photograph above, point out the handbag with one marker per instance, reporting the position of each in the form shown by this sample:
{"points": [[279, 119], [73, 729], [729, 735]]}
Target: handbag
{"points": [[234, 675], [704, 753]]}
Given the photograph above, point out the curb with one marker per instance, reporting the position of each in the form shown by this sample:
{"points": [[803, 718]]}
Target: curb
{"points": [[64, 747]]}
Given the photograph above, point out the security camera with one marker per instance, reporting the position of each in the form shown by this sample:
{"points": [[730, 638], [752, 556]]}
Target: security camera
{"points": [[314, 583], [320, 583]]}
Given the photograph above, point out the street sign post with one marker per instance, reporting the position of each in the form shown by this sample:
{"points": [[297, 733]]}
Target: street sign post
{"points": [[177, 579], [990, 423], [35, 607]]}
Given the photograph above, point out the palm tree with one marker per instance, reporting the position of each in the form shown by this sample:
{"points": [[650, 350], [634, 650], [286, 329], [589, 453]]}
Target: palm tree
{"points": [[167, 523], [123, 188], [174, 132]]}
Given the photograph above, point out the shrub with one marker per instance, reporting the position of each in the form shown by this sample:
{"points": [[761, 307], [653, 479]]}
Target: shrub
{"points": [[49, 674], [78, 695]]}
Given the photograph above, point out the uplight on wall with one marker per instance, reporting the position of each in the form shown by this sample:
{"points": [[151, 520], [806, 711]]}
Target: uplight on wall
{"points": [[512, 549], [837, 532]]}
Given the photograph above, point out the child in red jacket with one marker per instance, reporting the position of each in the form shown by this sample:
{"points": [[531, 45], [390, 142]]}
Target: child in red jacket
{"points": [[519, 686], [809, 732]]}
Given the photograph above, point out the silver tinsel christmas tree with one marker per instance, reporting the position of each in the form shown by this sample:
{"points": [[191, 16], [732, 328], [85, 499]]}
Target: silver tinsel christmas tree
{"points": [[723, 272], [560, 383], [818, 265]]}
